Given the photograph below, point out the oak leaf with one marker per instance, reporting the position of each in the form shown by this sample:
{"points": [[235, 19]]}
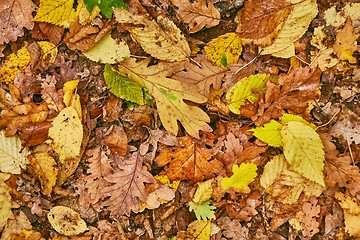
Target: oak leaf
{"points": [[191, 161], [232, 229], [224, 50], [200, 203], [128, 186], [13, 157], [169, 95], [17, 226], [59, 12], [15, 15], [161, 39], [260, 21], [197, 15], [53, 32], [203, 78]]}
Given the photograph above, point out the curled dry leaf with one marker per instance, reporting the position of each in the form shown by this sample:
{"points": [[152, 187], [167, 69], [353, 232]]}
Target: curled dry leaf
{"points": [[197, 15], [116, 140]]}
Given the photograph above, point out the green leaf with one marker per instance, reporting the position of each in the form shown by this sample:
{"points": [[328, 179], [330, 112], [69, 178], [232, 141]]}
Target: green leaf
{"points": [[303, 150], [269, 133], [122, 86], [203, 211], [243, 90], [106, 6], [242, 177], [285, 118]]}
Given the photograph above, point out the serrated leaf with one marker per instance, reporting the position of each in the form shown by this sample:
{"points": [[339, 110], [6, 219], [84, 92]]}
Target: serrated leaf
{"points": [[203, 211], [108, 51], [169, 95], [269, 133], [122, 86], [66, 221], [67, 134], [58, 12], [16, 63], [161, 39], [242, 177], [243, 90], [351, 213], [295, 26], [203, 192], [303, 150], [106, 6], [198, 230], [286, 118], [13, 156], [272, 170], [224, 50]]}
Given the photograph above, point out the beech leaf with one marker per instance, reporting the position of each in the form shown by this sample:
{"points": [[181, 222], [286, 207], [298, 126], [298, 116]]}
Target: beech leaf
{"points": [[303, 150], [161, 39], [269, 133], [197, 15], [242, 176]]}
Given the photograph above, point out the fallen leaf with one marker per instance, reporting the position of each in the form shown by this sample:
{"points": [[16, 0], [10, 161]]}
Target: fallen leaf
{"points": [[197, 230], [53, 32], [107, 50], [347, 127], [67, 134], [107, 7], [161, 39], [351, 213], [160, 195], [260, 21], [19, 224], [13, 157], [169, 95], [269, 133], [200, 203], [232, 229], [66, 221], [128, 186], [87, 16], [243, 175], [16, 62], [5, 200], [116, 140], [191, 161], [345, 44], [15, 15], [224, 50], [198, 14]]}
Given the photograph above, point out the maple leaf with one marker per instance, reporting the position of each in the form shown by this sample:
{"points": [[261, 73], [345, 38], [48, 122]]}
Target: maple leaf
{"points": [[203, 78], [59, 12], [345, 44], [191, 161], [224, 50], [197, 15], [128, 187], [260, 21], [15, 15], [169, 95], [242, 176], [161, 39], [13, 156], [106, 6]]}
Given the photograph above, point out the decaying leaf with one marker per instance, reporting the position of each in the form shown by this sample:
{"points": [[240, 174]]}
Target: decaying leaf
{"points": [[66, 221], [5, 200], [224, 50], [13, 157], [191, 161], [242, 176], [345, 44], [351, 209], [128, 186], [15, 15], [17, 226], [161, 39], [169, 95], [197, 230], [197, 15], [67, 134]]}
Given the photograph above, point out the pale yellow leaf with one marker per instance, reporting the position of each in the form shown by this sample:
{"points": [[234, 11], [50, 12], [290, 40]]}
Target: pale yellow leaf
{"points": [[67, 134], [295, 26], [351, 213], [203, 192], [161, 39], [108, 51], [13, 157], [66, 221], [84, 16], [5, 200], [272, 170], [71, 98]]}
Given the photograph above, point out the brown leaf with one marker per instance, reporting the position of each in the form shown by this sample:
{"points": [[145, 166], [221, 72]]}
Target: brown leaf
{"points": [[14, 16], [128, 186], [198, 14], [345, 44], [52, 97], [232, 229], [34, 133], [191, 161], [112, 109], [53, 32], [308, 216], [294, 93], [116, 140], [203, 78], [260, 21]]}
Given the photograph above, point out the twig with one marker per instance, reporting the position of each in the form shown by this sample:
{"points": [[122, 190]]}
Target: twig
{"points": [[350, 151], [332, 118], [241, 68]]}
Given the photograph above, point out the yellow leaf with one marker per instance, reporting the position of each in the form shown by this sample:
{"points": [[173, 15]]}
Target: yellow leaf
{"points": [[58, 12], [345, 44], [108, 51], [272, 170], [351, 213], [50, 52], [285, 118], [71, 98], [269, 133], [224, 50], [169, 95], [161, 39], [203, 191], [16, 63], [45, 168], [303, 150], [13, 156], [67, 134], [66, 221], [198, 230], [242, 177], [84, 16], [166, 181], [5, 200], [295, 26]]}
